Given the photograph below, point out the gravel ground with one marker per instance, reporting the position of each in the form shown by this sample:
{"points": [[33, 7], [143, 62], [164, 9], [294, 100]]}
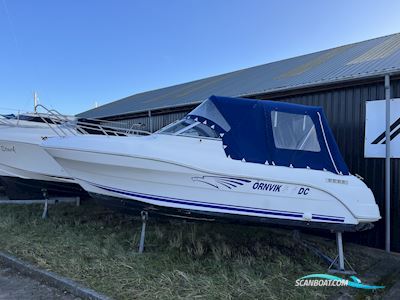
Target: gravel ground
{"points": [[14, 286]]}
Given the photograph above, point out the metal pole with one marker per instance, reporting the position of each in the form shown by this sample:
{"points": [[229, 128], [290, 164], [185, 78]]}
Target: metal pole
{"points": [[150, 122], [339, 242], [145, 216], [45, 213], [387, 163]]}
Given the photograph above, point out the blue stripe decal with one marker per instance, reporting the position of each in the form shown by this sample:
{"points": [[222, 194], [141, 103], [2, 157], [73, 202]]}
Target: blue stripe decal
{"points": [[212, 205], [328, 219], [150, 197], [336, 217], [199, 204]]}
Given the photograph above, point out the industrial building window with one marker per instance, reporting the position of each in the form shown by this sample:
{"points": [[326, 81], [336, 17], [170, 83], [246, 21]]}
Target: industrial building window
{"points": [[294, 132]]}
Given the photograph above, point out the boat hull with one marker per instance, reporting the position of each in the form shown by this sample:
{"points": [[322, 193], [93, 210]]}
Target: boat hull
{"points": [[21, 156], [26, 168], [136, 207], [3, 173], [167, 185], [17, 188]]}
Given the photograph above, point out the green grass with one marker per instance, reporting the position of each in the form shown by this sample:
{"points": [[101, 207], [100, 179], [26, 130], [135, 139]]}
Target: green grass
{"points": [[182, 260]]}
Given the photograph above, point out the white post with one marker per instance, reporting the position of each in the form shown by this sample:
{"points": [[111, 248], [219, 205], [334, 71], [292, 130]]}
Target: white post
{"points": [[35, 101], [387, 164]]}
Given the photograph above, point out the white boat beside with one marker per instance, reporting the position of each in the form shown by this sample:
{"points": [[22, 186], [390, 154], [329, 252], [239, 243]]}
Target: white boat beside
{"points": [[20, 152], [238, 159], [22, 159]]}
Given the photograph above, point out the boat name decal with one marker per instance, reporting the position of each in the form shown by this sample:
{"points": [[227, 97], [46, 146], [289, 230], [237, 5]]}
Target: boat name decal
{"points": [[222, 182], [303, 191], [7, 149], [270, 187], [281, 188]]}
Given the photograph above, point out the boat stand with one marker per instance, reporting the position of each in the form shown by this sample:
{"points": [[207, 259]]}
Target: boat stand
{"points": [[46, 201], [45, 213], [145, 216], [338, 264]]}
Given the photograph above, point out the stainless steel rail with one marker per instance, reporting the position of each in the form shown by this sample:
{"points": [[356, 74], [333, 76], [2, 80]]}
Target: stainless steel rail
{"points": [[63, 125]]}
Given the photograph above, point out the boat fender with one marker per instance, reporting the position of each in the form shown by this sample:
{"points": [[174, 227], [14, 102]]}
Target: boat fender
{"points": [[307, 216]]}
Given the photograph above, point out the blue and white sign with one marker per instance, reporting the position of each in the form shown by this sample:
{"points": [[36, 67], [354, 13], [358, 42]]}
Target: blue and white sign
{"points": [[375, 129]]}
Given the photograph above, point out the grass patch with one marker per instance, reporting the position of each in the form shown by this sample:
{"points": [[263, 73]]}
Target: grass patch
{"points": [[182, 260]]}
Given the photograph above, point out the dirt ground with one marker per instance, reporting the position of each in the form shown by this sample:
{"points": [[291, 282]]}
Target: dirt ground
{"points": [[14, 286]]}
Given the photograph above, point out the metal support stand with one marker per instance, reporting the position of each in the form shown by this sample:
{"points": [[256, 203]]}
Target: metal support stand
{"points": [[45, 213], [338, 264], [339, 243], [145, 217], [46, 201], [76, 200]]}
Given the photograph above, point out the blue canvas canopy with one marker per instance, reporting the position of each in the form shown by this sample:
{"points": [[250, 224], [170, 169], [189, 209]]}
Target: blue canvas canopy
{"points": [[273, 133]]}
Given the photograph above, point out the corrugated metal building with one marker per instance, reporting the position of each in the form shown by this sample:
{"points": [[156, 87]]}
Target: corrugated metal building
{"points": [[340, 80]]}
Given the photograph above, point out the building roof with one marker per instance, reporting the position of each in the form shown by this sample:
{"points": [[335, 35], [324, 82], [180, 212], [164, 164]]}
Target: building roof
{"points": [[365, 59]]}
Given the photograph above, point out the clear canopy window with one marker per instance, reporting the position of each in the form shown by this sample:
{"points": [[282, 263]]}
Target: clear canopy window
{"points": [[209, 111], [294, 132]]}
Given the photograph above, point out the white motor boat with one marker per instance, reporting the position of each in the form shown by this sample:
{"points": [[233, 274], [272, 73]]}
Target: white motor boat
{"points": [[239, 159], [20, 152], [22, 158]]}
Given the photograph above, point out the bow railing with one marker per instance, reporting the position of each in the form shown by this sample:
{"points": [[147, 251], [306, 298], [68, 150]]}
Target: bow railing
{"points": [[64, 125]]}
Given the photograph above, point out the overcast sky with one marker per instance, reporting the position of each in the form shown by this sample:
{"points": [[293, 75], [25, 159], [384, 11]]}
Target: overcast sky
{"points": [[75, 53]]}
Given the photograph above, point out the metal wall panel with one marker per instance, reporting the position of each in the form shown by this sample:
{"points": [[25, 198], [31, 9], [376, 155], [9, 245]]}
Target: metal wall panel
{"points": [[158, 121]]}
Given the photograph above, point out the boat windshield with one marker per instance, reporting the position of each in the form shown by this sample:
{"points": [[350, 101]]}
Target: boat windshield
{"points": [[38, 119], [34, 118], [189, 127]]}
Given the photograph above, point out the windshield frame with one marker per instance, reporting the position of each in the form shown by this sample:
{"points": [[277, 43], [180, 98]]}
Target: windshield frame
{"points": [[181, 132]]}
